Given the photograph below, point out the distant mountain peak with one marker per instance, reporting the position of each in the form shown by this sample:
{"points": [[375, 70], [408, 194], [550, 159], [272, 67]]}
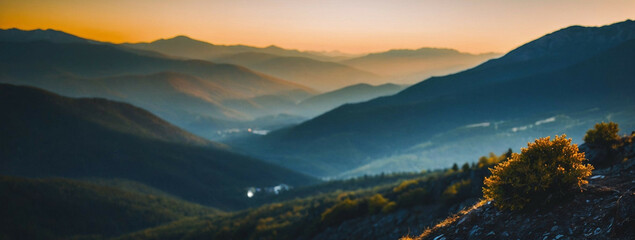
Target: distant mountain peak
{"points": [[182, 37], [572, 38], [274, 47], [49, 35]]}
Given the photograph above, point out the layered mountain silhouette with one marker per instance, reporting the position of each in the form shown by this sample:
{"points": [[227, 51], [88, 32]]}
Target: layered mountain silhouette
{"points": [[320, 75], [203, 97], [47, 135], [562, 82], [287, 109], [410, 66], [309, 69], [323, 71], [178, 90]]}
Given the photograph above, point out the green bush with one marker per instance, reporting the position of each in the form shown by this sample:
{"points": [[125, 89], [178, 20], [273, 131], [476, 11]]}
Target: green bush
{"points": [[343, 210], [405, 185], [376, 203], [543, 171], [603, 134]]}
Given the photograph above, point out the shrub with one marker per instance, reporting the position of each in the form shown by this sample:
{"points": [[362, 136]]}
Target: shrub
{"points": [[493, 159], [341, 211], [603, 134], [543, 171], [376, 203], [406, 184]]}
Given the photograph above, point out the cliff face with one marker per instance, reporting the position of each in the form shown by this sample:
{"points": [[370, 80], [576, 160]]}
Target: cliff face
{"points": [[604, 209]]}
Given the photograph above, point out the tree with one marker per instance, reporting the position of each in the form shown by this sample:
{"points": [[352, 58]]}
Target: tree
{"points": [[602, 135], [602, 142], [455, 167], [544, 171], [465, 167]]}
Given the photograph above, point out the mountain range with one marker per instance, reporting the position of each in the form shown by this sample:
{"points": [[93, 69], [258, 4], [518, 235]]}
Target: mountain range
{"points": [[177, 90], [320, 71], [319, 75], [562, 82], [203, 97], [186, 47]]}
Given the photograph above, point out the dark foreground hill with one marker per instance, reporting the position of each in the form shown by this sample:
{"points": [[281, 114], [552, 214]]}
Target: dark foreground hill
{"points": [[62, 208], [44, 135], [562, 82]]}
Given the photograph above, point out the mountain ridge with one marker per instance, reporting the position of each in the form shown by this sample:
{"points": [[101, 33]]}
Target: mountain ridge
{"points": [[52, 35], [187, 47], [354, 135]]}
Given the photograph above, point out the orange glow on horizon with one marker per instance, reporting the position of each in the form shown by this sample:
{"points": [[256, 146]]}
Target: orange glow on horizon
{"points": [[348, 26]]}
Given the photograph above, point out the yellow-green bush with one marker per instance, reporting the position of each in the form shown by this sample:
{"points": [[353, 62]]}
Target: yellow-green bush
{"points": [[376, 203], [407, 184], [342, 210], [544, 170], [492, 159], [603, 134]]}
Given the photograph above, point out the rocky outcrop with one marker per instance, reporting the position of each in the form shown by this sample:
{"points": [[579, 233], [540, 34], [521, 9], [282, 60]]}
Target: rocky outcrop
{"points": [[390, 226], [611, 154], [604, 209]]}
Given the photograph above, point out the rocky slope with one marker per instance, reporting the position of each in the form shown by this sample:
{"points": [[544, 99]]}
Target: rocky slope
{"points": [[412, 221], [604, 209]]}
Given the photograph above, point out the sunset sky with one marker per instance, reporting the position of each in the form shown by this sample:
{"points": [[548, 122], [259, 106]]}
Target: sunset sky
{"points": [[349, 26]]}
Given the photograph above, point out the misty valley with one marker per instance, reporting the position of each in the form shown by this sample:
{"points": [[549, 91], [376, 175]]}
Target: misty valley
{"points": [[179, 138]]}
